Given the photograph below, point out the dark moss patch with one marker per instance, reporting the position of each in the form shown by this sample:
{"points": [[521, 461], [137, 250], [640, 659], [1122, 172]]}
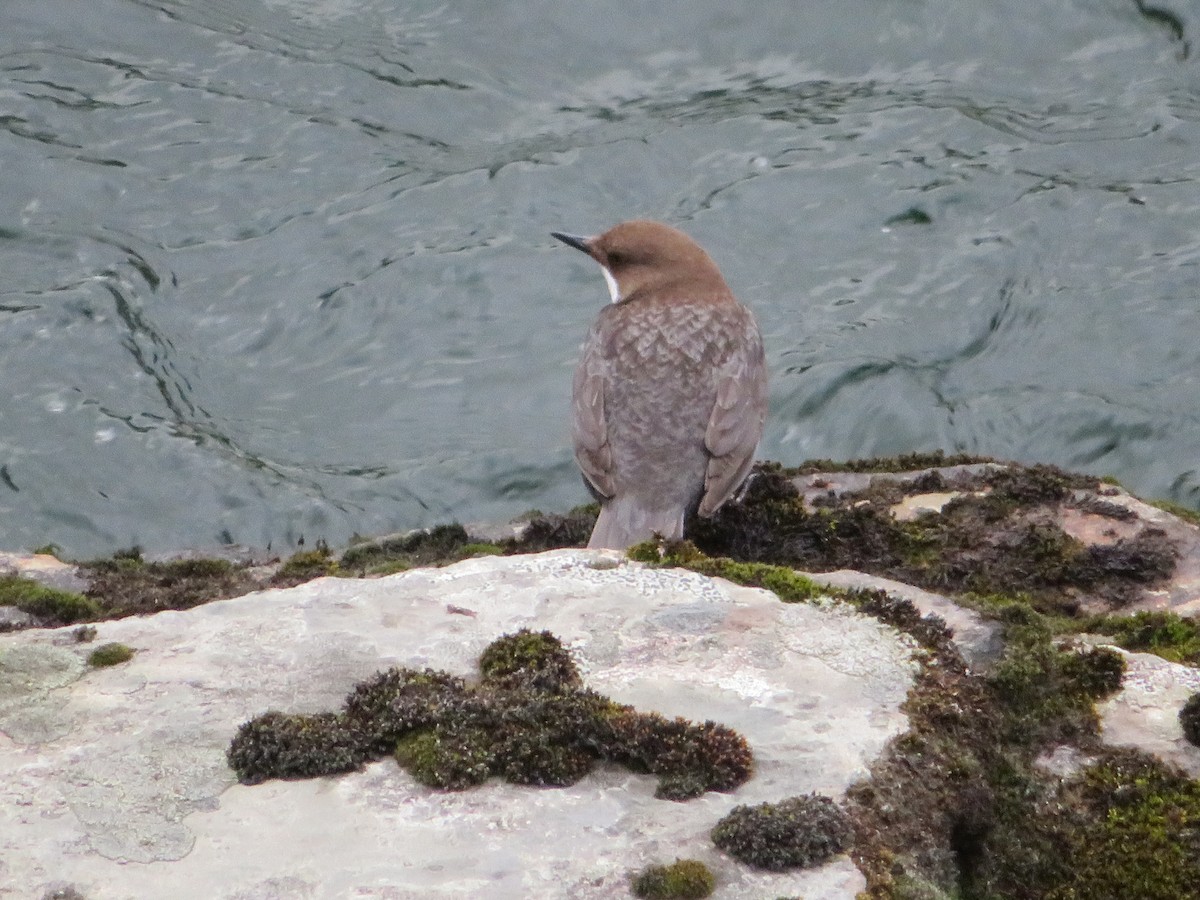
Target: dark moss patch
{"points": [[397, 702], [528, 720], [110, 655], [305, 566], [279, 745], [1002, 536], [127, 585], [447, 544], [50, 605], [84, 634], [63, 893], [435, 546], [905, 462], [946, 793], [552, 532], [684, 879], [1189, 719], [794, 833], [689, 759]]}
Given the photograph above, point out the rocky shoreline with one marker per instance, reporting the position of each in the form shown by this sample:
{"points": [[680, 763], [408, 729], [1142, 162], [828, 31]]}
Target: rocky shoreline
{"points": [[1027, 744]]}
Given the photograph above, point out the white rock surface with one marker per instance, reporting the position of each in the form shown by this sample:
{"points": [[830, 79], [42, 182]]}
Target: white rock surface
{"points": [[1145, 712], [977, 639], [115, 781]]}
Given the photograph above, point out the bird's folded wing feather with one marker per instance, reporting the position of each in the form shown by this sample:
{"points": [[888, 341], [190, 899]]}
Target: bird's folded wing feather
{"points": [[588, 428], [736, 423]]}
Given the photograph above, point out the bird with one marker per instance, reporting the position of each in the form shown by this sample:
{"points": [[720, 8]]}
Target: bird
{"points": [[669, 397]]}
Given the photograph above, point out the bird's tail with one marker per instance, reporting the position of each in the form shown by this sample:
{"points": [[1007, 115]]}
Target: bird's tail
{"points": [[624, 522]]}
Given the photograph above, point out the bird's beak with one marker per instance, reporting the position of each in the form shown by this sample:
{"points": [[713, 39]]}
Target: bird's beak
{"points": [[573, 240]]}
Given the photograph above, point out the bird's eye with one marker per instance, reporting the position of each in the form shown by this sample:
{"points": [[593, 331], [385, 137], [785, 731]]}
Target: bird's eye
{"points": [[617, 257]]}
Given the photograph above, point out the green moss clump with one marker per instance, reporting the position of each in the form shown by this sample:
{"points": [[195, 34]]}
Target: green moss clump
{"points": [[1178, 510], [529, 721], [304, 566], [51, 605], [1189, 719], [279, 745], [1126, 826], [1163, 633], [110, 655], [537, 661], [794, 833], [399, 701], [684, 879], [1048, 691], [451, 759], [476, 548], [545, 741], [789, 585]]}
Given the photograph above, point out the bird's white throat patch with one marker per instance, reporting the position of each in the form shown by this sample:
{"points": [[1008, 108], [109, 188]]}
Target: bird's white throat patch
{"points": [[614, 289]]}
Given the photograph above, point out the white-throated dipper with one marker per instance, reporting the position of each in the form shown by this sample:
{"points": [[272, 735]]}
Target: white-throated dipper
{"points": [[670, 394]]}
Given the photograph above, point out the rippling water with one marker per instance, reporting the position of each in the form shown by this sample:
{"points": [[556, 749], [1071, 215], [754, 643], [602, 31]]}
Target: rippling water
{"points": [[275, 268]]}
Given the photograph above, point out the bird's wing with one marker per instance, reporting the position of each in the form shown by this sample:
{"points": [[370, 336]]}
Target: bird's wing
{"points": [[589, 429], [736, 423]]}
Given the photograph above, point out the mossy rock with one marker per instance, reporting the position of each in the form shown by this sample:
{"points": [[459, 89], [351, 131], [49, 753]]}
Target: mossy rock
{"points": [[527, 659], [792, 834], [1126, 826], [304, 566], [684, 879], [125, 584], [529, 721], [1165, 634], [49, 604], [112, 654], [1000, 534], [282, 745]]}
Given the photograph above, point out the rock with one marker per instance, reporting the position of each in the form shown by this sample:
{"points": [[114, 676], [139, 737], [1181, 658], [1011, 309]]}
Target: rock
{"points": [[1145, 712], [977, 639], [820, 484], [44, 569], [115, 780], [13, 618]]}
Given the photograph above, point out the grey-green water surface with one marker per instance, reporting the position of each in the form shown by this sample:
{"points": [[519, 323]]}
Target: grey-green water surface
{"points": [[272, 268]]}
